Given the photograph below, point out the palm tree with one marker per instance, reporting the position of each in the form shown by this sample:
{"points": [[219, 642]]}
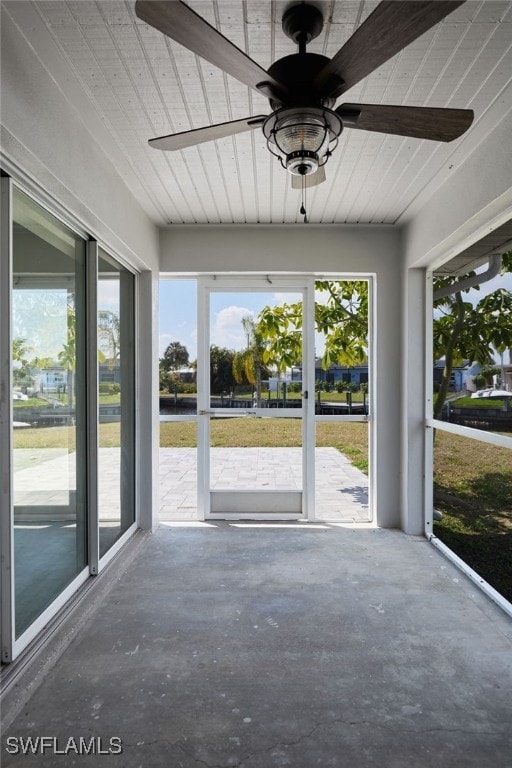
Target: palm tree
{"points": [[248, 364], [109, 332], [67, 356], [21, 370]]}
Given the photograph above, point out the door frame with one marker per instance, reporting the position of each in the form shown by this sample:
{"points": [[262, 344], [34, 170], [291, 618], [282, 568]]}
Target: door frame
{"points": [[207, 285]]}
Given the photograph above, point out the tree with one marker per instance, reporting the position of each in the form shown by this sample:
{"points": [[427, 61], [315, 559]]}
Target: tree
{"points": [[21, 366], [175, 356], [248, 364], [472, 332], [109, 335], [461, 330], [342, 317], [67, 355], [221, 369]]}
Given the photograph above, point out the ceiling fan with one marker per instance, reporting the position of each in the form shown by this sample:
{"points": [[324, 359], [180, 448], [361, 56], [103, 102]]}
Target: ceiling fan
{"points": [[303, 127]]}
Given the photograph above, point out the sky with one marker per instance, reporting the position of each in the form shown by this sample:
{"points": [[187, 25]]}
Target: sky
{"points": [[178, 310], [178, 314]]}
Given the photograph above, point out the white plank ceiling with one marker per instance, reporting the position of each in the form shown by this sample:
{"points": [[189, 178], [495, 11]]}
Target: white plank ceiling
{"points": [[130, 83]]}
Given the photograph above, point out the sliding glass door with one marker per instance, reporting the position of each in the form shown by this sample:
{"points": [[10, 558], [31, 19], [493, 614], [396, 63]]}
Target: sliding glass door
{"points": [[116, 396], [48, 408], [67, 345]]}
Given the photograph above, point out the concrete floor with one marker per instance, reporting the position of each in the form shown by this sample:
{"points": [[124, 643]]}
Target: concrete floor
{"points": [[262, 645]]}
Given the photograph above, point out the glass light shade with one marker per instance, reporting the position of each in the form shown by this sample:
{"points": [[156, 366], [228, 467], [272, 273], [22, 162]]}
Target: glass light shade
{"points": [[302, 138], [303, 132]]}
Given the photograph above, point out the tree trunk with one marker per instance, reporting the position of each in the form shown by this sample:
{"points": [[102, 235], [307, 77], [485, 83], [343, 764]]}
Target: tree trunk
{"points": [[258, 386], [448, 360]]}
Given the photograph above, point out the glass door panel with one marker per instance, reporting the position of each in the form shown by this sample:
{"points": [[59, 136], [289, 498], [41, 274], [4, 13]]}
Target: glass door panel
{"points": [[178, 353], [116, 401], [178, 399], [178, 470], [342, 376], [341, 471], [256, 465], [255, 431], [48, 403]]}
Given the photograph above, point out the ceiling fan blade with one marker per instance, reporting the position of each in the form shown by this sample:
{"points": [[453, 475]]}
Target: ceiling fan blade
{"points": [[181, 23], [208, 133], [392, 26], [435, 123], [311, 180]]}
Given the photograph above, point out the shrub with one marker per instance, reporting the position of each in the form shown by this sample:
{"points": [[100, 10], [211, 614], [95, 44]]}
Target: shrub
{"points": [[109, 388]]}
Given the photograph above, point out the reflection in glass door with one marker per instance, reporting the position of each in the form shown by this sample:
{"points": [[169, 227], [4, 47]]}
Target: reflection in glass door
{"points": [[48, 407], [69, 321]]}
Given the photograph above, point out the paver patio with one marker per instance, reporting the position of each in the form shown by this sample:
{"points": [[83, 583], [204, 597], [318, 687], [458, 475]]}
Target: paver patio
{"points": [[341, 491], [45, 476]]}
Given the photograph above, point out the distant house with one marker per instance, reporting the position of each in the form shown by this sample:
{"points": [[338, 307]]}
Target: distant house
{"points": [[507, 377], [461, 377], [356, 374], [187, 375], [50, 380], [109, 372]]}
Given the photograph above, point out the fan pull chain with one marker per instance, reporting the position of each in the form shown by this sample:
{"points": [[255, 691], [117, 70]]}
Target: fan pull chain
{"points": [[303, 206]]}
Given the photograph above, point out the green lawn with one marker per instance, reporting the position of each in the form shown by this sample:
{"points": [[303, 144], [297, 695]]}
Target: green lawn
{"points": [[473, 490], [63, 437], [477, 402], [109, 399], [32, 402]]}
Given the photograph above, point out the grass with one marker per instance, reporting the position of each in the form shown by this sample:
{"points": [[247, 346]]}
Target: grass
{"points": [[351, 438], [109, 399], [477, 402], [63, 437], [473, 490], [32, 402]]}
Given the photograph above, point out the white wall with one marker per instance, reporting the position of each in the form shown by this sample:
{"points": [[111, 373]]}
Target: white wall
{"points": [[306, 249], [43, 137], [475, 198], [47, 147], [414, 392]]}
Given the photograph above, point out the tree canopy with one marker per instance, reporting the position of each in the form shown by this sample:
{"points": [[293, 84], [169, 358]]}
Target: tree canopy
{"points": [[467, 331], [221, 369], [462, 330], [175, 356], [341, 315]]}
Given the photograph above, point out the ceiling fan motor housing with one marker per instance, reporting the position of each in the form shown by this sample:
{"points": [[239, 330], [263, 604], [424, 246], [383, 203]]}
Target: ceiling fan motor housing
{"points": [[297, 72]]}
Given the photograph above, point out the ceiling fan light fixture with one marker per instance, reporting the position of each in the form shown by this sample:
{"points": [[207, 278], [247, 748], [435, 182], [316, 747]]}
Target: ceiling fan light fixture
{"points": [[302, 138]]}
